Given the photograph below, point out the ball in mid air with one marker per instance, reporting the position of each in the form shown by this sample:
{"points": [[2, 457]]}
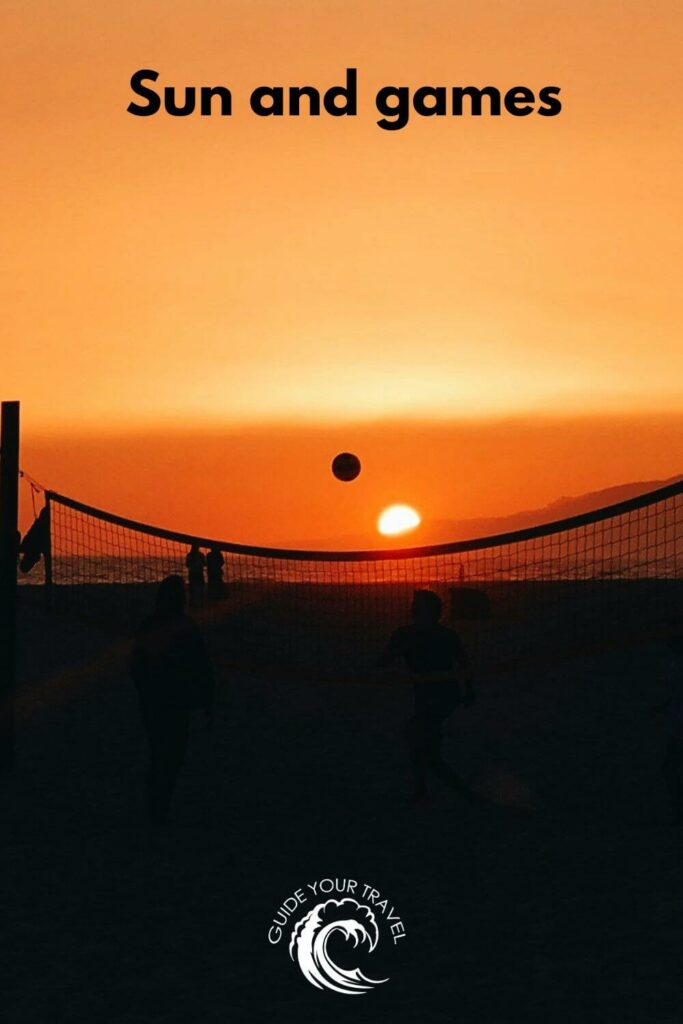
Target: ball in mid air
{"points": [[346, 466]]}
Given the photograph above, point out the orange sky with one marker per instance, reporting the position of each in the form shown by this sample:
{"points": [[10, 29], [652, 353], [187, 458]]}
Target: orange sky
{"points": [[265, 485], [205, 276]]}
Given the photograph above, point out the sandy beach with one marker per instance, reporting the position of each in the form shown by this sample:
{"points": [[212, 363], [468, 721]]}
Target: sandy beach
{"points": [[571, 913]]}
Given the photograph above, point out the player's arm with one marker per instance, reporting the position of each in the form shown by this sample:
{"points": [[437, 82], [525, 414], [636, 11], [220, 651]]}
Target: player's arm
{"points": [[392, 652]]}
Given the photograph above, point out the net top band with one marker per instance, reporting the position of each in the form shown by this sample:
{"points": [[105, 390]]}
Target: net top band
{"points": [[642, 501]]}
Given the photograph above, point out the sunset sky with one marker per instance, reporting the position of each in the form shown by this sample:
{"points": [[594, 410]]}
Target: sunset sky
{"points": [[198, 312]]}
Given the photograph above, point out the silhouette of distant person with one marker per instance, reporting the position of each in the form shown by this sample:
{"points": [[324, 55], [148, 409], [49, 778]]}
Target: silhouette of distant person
{"points": [[672, 767], [35, 543], [195, 563], [172, 672], [431, 650], [214, 572]]}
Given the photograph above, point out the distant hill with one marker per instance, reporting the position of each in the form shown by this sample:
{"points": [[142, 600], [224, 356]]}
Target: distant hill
{"points": [[440, 531]]}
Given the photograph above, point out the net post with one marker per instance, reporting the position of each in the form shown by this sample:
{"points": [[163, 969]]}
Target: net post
{"points": [[47, 552], [9, 517]]}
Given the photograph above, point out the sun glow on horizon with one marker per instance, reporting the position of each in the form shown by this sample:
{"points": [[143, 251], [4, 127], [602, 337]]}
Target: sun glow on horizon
{"points": [[398, 519]]}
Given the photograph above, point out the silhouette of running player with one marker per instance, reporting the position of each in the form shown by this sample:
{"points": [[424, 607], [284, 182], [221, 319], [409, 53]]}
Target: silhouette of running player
{"points": [[214, 573], [672, 767], [429, 648], [172, 672], [195, 563]]}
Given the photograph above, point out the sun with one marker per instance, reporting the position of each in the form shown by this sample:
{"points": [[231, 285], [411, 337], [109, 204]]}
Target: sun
{"points": [[397, 519]]}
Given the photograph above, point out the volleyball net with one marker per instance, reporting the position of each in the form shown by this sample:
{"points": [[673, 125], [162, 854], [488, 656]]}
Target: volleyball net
{"points": [[552, 590]]}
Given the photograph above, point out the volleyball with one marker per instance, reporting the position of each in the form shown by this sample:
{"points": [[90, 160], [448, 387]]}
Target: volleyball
{"points": [[346, 466]]}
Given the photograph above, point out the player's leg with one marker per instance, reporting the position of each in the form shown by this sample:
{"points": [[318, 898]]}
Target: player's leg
{"points": [[437, 765]]}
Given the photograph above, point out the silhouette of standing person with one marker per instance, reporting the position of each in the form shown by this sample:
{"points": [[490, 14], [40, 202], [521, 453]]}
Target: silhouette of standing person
{"points": [[214, 571], [35, 543], [195, 563], [672, 766], [172, 672], [431, 650]]}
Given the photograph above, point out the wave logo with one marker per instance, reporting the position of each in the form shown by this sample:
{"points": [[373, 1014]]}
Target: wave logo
{"points": [[333, 925], [309, 945]]}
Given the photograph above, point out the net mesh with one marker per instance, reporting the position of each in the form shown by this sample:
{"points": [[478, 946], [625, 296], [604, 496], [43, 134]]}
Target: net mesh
{"points": [[556, 589]]}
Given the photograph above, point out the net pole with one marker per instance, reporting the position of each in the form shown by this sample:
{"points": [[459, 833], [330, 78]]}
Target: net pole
{"points": [[9, 521]]}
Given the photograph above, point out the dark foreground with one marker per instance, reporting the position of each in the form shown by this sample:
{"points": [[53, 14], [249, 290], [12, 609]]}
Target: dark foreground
{"points": [[574, 913]]}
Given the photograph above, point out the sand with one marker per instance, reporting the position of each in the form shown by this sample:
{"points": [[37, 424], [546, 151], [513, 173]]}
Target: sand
{"points": [[573, 913]]}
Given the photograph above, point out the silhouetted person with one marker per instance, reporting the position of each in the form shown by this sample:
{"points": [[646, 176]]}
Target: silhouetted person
{"points": [[172, 672], [195, 563], [429, 648], [35, 543], [214, 573], [673, 707]]}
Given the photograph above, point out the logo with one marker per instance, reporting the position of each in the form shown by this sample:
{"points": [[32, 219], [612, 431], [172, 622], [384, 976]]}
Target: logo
{"points": [[334, 928]]}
